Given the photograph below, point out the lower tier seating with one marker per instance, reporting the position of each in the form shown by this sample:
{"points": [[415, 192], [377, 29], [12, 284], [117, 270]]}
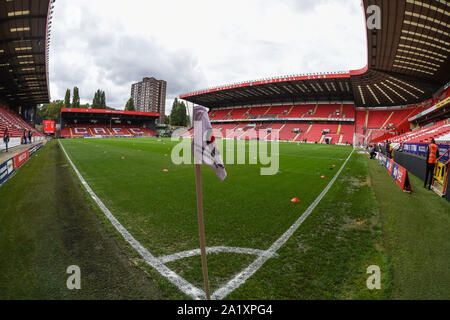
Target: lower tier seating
{"points": [[15, 124], [89, 130]]}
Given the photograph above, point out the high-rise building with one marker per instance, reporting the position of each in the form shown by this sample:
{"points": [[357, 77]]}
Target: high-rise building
{"points": [[149, 95]]}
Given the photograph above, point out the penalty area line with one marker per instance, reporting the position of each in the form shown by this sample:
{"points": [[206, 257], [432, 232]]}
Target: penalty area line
{"points": [[243, 276], [151, 260]]}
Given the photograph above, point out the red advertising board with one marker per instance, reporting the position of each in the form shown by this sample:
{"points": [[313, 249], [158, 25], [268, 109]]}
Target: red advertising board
{"points": [[397, 172], [49, 126], [20, 159]]}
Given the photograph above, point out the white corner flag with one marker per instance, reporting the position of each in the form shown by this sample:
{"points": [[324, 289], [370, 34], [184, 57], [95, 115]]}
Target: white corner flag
{"points": [[204, 150], [204, 146]]}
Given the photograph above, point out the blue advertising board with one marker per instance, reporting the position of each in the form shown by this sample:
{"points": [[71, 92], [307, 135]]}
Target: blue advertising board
{"points": [[422, 149], [6, 170]]}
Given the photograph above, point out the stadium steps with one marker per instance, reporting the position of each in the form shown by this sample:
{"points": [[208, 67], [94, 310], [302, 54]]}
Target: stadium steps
{"points": [[322, 139], [129, 131], [387, 120], [315, 109], [341, 138], [240, 135], [296, 137], [309, 129], [292, 108], [267, 111], [339, 129], [366, 122]]}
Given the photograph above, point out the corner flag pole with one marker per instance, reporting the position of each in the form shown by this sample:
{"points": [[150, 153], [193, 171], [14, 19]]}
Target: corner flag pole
{"points": [[201, 226], [204, 149]]}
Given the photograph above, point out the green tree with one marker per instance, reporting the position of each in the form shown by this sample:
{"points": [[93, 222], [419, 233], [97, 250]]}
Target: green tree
{"points": [[51, 111], [102, 99], [67, 99], [76, 98], [130, 105], [95, 101], [182, 114], [174, 113], [178, 116], [99, 101]]}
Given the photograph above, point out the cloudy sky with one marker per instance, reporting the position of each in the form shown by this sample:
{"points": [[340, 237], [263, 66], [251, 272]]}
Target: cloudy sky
{"points": [[196, 44]]}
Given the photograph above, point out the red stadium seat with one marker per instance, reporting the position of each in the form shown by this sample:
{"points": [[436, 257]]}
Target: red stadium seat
{"points": [[15, 124]]}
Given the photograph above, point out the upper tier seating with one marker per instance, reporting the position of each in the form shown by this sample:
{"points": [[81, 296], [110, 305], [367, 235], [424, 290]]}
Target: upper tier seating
{"points": [[286, 111], [326, 110]]}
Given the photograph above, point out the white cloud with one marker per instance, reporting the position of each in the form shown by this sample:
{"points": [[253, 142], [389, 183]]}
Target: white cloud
{"points": [[110, 44]]}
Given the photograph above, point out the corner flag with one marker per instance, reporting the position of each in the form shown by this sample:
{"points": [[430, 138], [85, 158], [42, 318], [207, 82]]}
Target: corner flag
{"points": [[204, 146], [204, 150]]}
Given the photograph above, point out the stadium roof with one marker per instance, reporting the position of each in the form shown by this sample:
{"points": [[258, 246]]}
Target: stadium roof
{"points": [[407, 63], [24, 40]]}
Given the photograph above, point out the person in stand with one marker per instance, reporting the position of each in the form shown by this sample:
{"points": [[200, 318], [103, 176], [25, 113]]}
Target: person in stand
{"points": [[388, 148], [6, 138], [432, 156], [30, 135], [24, 137], [372, 152]]}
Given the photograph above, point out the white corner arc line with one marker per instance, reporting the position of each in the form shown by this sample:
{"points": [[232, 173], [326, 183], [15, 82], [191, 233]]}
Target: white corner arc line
{"points": [[240, 278], [151, 260], [209, 250]]}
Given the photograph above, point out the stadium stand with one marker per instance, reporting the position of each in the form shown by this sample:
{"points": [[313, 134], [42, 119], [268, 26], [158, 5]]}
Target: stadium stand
{"points": [[258, 112], [15, 124], [117, 130], [322, 122], [284, 119], [439, 131]]}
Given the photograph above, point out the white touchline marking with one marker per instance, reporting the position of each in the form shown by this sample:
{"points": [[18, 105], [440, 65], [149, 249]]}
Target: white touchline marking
{"points": [[197, 252], [239, 279], [174, 278], [183, 284]]}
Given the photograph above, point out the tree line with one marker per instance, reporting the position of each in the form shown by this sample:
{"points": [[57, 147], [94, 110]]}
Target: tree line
{"points": [[178, 115], [52, 110]]}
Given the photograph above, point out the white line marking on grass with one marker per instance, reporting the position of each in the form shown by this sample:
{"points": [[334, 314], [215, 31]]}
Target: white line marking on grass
{"points": [[197, 252], [151, 260], [242, 277], [181, 283]]}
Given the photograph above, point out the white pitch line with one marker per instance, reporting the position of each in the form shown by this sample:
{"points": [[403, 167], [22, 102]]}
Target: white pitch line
{"points": [[197, 252], [242, 277], [181, 283], [151, 260]]}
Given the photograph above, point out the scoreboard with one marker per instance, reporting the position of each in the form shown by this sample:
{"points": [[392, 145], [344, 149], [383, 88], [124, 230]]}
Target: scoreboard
{"points": [[49, 127]]}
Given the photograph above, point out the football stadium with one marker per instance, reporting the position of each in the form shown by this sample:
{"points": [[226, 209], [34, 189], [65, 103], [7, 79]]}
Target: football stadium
{"points": [[336, 183]]}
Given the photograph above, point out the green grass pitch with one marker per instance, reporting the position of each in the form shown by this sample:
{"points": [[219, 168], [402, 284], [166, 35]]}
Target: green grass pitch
{"points": [[48, 222], [326, 258]]}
